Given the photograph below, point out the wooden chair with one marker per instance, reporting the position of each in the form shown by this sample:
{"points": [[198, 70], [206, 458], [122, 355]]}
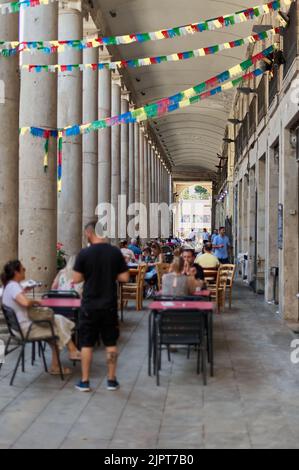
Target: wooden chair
{"points": [[231, 271], [218, 291], [133, 290], [211, 275], [162, 268]]}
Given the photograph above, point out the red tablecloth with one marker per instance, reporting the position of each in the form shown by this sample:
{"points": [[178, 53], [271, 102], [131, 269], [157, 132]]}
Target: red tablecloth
{"points": [[202, 293], [61, 303], [169, 305]]}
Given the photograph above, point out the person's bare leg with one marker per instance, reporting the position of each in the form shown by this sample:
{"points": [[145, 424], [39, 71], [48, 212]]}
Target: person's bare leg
{"points": [[86, 360], [55, 359], [112, 356], [73, 350]]}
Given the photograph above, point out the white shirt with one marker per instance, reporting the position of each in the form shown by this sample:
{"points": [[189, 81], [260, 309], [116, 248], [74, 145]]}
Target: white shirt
{"points": [[192, 236], [128, 254], [11, 292]]}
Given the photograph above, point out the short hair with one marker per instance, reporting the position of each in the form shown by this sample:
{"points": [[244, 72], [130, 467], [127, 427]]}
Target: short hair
{"points": [[95, 227], [188, 250], [221, 228], [208, 247]]}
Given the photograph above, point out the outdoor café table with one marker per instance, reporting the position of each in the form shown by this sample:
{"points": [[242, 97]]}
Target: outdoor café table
{"points": [[67, 308], [206, 308], [204, 295], [58, 305]]}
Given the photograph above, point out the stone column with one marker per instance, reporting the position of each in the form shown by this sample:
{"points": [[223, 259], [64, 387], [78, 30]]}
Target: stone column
{"points": [[261, 182], [251, 225], [9, 142], [104, 137], [115, 151], [141, 165], [137, 162], [245, 215], [271, 220], [90, 141], [70, 88], [124, 163], [149, 157], [131, 165], [37, 188], [289, 256], [153, 175], [146, 180], [240, 217]]}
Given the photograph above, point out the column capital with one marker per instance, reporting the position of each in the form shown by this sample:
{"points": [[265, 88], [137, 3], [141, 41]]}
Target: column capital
{"points": [[125, 95], [116, 79], [66, 5]]}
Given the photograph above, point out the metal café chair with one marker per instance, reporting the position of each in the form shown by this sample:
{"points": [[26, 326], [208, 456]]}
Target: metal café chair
{"points": [[21, 340], [180, 327]]}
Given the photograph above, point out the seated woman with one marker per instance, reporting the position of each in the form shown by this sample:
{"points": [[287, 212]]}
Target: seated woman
{"points": [[146, 255], [15, 298], [127, 254], [176, 284], [196, 278], [151, 276], [63, 280]]}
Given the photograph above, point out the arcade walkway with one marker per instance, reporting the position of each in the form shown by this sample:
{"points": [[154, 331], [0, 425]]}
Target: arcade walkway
{"points": [[253, 401]]}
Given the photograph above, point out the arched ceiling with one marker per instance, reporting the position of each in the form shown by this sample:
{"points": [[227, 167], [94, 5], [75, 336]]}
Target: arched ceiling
{"points": [[191, 137]]}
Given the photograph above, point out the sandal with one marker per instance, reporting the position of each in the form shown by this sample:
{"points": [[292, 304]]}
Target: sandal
{"points": [[75, 357], [65, 371]]}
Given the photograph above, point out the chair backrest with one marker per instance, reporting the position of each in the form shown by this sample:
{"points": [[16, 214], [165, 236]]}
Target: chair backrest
{"points": [[231, 271], [142, 270], [222, 277], [211, 274], [162, 268], [61, 294], [180, 325], [12, 322]]}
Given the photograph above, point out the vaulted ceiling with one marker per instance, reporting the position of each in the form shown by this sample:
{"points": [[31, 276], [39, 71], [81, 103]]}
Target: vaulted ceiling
{"points": [[192, 136]]}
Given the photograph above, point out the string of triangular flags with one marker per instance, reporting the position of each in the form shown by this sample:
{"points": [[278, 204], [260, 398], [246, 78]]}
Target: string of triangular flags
{"points": [[153, 110], [134, 63], [180, 100], [48, 47], [15, 7]]}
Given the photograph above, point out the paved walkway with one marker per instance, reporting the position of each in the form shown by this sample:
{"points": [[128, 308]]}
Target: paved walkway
{"points": [[253, 401]]}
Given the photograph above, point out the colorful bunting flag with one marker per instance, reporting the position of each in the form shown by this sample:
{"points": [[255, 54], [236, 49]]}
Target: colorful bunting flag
{"points": [[15, 7], [156, 109], [49, 47], [134, 63]]}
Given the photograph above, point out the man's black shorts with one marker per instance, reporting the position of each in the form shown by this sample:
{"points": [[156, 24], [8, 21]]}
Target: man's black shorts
{"points": [[94, 324]]}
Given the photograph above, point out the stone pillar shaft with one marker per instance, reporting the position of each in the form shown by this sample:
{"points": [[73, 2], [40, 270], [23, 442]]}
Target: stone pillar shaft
{"points": [[104, 138], [90, 141], [70, 87], [37, 188], [115, 153], [9, 142]]}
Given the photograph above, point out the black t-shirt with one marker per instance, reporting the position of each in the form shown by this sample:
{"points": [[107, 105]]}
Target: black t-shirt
{"points": [[100, 265]]}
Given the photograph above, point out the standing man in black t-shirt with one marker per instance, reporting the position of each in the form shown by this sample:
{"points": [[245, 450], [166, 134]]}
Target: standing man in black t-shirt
{"points": [[99, 267]]}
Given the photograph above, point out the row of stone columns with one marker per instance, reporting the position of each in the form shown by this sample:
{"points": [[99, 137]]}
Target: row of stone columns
{"points": [[97, 168]]}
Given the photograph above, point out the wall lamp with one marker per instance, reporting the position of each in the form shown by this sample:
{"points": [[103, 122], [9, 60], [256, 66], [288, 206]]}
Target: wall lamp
{"points": [[236, 122], [246, 90], [284, 18]]}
